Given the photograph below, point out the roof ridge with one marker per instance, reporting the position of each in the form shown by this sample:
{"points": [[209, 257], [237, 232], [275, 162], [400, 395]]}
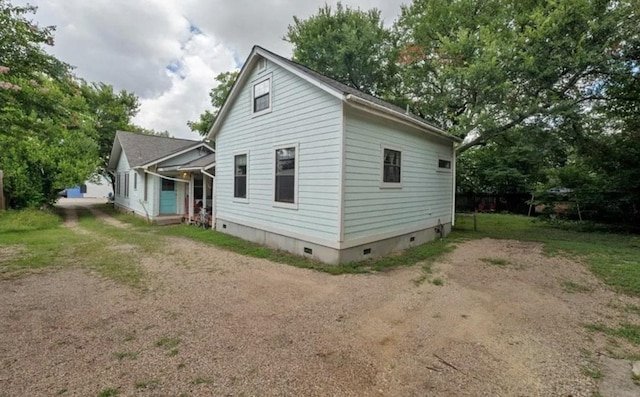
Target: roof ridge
{"points": [[158, 136]]}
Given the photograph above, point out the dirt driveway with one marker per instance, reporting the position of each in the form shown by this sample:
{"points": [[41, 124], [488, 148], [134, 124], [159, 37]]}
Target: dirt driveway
{"points": [[213, 322]]}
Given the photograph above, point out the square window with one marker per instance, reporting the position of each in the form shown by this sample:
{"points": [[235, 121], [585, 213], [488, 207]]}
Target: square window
{"points": [[444, 164], [285, 183], [261, 96], [240, 176], [391, 166]]}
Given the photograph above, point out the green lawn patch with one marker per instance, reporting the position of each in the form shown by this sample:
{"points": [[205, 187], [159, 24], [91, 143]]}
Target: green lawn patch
{"points": [[614, 258], [630, 332], [426, 252]]}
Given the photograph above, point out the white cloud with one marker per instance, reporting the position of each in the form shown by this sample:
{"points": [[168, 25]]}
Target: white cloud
{"points": [[152, 49], [202, 59]]}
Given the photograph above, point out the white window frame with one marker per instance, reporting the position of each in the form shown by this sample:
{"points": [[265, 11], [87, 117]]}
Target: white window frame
{"points": [[391, 185], [443, 169], [279, 204], [233, 175], [253, 85], [135, 181], [127, 182]]}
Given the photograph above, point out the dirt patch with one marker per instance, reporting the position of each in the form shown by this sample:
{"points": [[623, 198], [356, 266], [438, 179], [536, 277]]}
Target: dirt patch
{"points": [[246, 326], [10, 253]]}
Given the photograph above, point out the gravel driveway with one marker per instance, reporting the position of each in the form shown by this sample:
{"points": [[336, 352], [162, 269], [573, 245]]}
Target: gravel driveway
{"points": [[216, 323]]}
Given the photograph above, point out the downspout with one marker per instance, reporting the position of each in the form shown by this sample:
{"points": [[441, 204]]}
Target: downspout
{"points": [[213, 198], [453, 187]]}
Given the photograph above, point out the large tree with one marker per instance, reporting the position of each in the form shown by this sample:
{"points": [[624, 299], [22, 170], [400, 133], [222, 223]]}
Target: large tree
{"points": [[218, 95], [349, 45], [111, 111], [46, 128], [481, 68]]}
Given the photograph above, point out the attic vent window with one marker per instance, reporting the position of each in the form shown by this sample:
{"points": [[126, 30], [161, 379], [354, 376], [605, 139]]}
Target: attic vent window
{"points": [[261, 97], [262, 64]]}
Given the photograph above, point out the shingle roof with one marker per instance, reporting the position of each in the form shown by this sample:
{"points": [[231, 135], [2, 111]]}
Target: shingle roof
{"points": [[142, 149], [345, 89], [200, 162]]}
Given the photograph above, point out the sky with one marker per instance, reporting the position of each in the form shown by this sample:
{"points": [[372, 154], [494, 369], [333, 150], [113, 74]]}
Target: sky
{"points": [[168, 52]]}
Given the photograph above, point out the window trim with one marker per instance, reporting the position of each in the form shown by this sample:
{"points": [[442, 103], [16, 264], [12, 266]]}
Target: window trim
{"points": [[233, 175], [135, 181], [391, 185], [444, 169], [279, 204], [126, 184], [253, 86]]}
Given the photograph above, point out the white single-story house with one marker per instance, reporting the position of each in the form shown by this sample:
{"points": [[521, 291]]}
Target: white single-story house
{"points": [[161, 178], [311, 166]]}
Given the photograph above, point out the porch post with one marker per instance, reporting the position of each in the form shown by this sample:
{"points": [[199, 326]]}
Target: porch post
{"points": [[190, 201], [213, 203], [204, 190]]}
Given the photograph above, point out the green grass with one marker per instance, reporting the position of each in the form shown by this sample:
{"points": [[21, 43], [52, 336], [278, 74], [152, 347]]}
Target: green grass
{"points": [[35, 240], [168, 342], [594, 373], [128, 355], [144, 241], [573, 287], [109, 392], [426, 252], [496, 261], [147, 384], [630, 332], [201, 381], [437, 281], [614, 258], [30, 241]]}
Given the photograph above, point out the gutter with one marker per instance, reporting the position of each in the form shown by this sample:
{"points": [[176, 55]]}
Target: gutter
{"points": [[165, 177]]}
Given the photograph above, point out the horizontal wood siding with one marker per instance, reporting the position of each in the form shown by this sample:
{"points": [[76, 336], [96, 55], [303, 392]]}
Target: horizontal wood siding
{"points": [[135, 202], [425, 195], [301, 114]]}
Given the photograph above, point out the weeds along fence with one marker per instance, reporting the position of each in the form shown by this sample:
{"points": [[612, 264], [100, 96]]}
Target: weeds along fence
{"points": [[515, 203]]}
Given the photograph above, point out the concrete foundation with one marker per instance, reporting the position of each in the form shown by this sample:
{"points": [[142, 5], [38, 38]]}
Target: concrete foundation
{"points": [[330, 255]]}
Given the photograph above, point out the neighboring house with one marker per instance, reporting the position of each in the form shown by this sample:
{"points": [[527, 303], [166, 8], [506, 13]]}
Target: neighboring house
{"points": [[311, 166], [161, 178], [99, 188]]}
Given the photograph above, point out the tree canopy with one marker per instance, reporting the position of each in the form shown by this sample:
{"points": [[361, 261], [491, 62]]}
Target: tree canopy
{"points": [[218, 95], [346, 44], [56, 129]]}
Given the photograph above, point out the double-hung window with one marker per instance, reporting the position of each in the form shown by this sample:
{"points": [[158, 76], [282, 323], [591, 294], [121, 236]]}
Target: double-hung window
{"points": [[391, 167], [261, 97], [285, 175], [240, 176]]}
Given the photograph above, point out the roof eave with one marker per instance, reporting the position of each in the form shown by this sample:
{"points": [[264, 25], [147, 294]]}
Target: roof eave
{"points": [[352, 99], [177, 153]]}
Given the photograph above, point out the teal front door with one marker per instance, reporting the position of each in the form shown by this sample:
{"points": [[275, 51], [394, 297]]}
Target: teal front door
{"points": [[168, 197]]}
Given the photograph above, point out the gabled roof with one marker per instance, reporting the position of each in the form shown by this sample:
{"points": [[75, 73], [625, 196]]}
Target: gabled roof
{"points": [[143, 149], [342, 91]]}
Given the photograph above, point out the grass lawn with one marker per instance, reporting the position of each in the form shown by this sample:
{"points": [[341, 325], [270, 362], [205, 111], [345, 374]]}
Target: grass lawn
{"points": [[614, 258], [32, 240]]}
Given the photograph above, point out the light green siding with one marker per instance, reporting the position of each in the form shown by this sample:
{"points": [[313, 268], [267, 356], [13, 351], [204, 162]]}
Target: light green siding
{"points": [[425, 194], [301, 114]]}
